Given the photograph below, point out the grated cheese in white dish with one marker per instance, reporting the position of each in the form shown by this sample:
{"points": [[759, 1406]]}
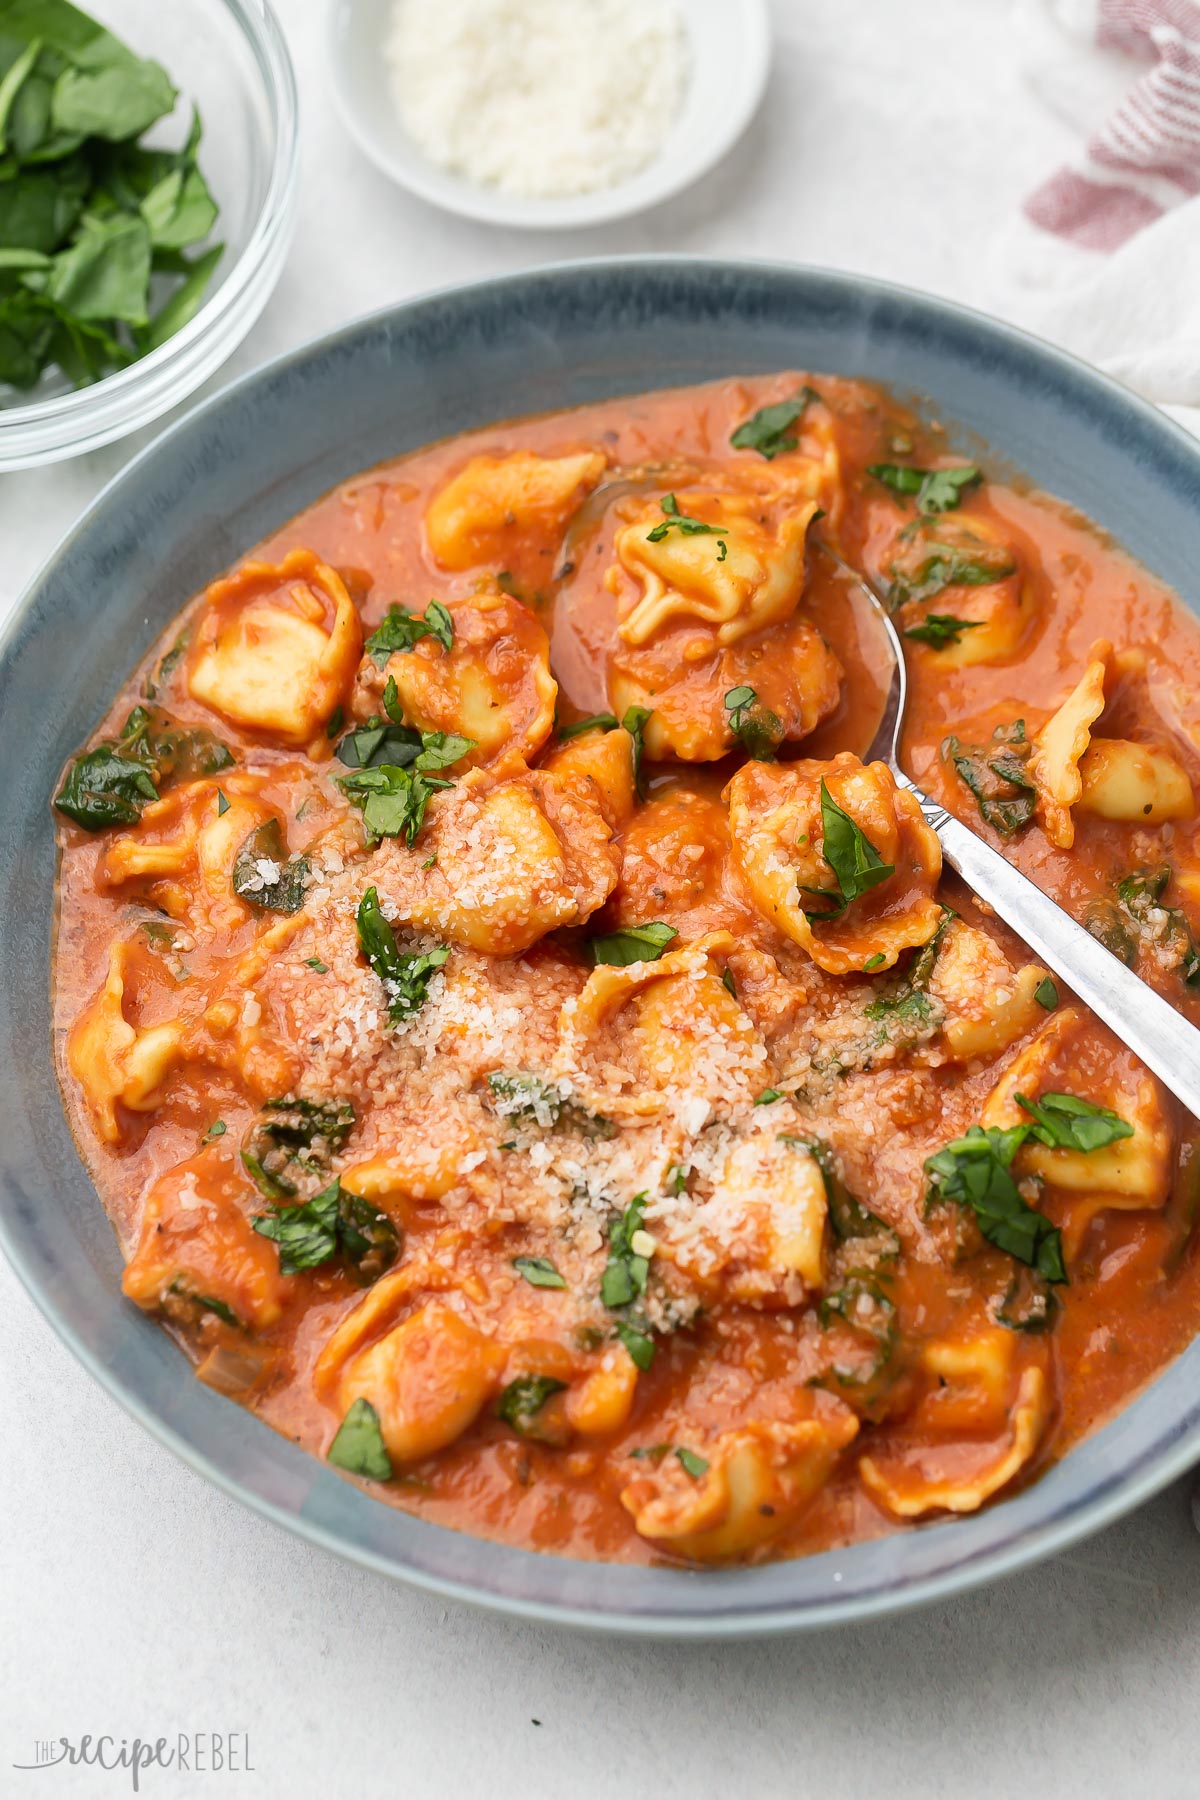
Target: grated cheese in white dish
{"points": [[541, 98]]}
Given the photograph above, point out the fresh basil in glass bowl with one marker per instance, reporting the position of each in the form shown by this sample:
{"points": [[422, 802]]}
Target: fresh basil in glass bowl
{"points": [[148, 164]]}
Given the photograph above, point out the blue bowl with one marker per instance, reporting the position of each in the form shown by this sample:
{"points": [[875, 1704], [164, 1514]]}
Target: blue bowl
{"points": [[233, 470]]}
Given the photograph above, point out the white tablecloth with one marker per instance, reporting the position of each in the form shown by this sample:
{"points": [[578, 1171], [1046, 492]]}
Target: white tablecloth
{"points": [[134, 1599]]}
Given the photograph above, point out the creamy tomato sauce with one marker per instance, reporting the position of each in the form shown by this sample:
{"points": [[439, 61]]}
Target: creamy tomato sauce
{"points": [[620, 1137]]}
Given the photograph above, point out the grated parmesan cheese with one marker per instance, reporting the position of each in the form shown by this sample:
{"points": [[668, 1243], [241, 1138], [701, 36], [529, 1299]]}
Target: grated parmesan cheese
{"points": [[542, 98]]}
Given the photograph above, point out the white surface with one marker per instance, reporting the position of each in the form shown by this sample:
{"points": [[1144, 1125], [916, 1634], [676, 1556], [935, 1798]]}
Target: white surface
{"points": [[135, 1599], [729, 49]]}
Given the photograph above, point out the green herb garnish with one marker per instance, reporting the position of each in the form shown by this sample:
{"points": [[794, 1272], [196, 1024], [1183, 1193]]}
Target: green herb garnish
{"points": [[538, 1271], [997, 776], [401, 630], [263, 875], [632, 944], [594, 722], [937, 490], [856, 864], [1065, 1122], [524, 1398], [1046, 994], [335, 1220], [674, 520], [770, 429], [939, 630], [634, 722], [359, 1447], [625, 1273], [405, 974], [216, 1130], [695, 1465], [975, 1171], [757, 729]]}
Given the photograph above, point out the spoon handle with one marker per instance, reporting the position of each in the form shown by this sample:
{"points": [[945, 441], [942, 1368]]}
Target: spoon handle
{"points": [[1150, 1025]]}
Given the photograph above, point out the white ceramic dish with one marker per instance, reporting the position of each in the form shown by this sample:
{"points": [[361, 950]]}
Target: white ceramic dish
{"points": [[730, 49]]}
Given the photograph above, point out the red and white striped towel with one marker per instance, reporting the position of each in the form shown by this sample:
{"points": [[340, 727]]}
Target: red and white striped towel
{"points": [[1106, 256], [1145, 158]]}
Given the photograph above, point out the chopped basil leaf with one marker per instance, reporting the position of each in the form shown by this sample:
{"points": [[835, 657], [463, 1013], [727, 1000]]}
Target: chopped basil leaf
{"points": [[768, 1097], [336, 720], [216, 1130], [638, 1342], [996, 775], [634, 722], [359, 1447], [856, 864], [937, 490], [314, 962], [538, 1271], [308, 1133], [222, 804], [652, 1452], [769, 430], [405, 974], [393, 802], [1165, 928], [939, 630], [524, 1398], [758, 730], [401, 630], [924, 569], [335, 1220], [1065, 1122], [528, 1100], [874, 962], [264, 877], [674, 520], [632, 944], [595, 722], [975, 1171], [848, 1217], [625, 1273], [1046, 994], [205, 1302], [695, 1465], [379, 742], [1028, 1304], [728, 983]]}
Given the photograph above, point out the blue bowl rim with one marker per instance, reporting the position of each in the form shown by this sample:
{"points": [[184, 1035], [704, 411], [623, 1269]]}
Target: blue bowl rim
{"points": [[1155, 1470]]}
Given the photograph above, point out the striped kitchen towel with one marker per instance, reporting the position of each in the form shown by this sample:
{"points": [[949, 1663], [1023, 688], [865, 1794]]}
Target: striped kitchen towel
{"points": [[1105, 257], [1145, 157]]}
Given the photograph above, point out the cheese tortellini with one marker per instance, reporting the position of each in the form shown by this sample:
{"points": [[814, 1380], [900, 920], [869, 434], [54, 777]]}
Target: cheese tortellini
{"points": [[757, 1479], [493, 685], [778, 814], [963, 568], [506, 855], [1076, 770], [485, 511], [276, 647]]}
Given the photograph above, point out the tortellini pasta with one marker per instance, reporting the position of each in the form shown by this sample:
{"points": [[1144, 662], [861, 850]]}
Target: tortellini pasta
{"points": [[599, 764], [978, 1386], [1133, 1171], [493, 685], [198, 1252], [113, 1060], [775, 815], [756, 1481], [963, 568], [732, 574], [1073, 769], [482, 514], [985, 1006], [276, 647], [506, 855]]}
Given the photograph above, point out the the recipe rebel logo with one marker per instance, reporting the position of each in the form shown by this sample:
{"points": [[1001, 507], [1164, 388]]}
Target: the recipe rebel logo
{"points": [[187, 1752]]}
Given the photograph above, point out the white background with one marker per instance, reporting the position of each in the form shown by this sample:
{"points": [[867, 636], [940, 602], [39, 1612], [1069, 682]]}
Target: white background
{"points": [[896, 139]]}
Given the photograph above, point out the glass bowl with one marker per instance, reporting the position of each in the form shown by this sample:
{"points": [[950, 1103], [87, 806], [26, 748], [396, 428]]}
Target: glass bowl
{"points": [[227, 57]]}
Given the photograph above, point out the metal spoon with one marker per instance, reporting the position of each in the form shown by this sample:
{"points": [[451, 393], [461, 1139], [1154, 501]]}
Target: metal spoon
{"points": [[1150, 1025]]}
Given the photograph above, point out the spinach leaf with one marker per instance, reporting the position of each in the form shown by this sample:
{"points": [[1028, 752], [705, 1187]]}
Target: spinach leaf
{"points": [[997, 776], [105, 788], [926, 570], [638, 1341], [401, 630], [856, 864], [358, 1446], [378, 742], [263, 875], [632, 944], [696, 1466], [105, 273], [975, 1171], [405, 974], [1065, 1122], [1046, 994], [1165, 927], [757, 729], [538, 1271], [770, 429], [183, 304], [848, 1217]]}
